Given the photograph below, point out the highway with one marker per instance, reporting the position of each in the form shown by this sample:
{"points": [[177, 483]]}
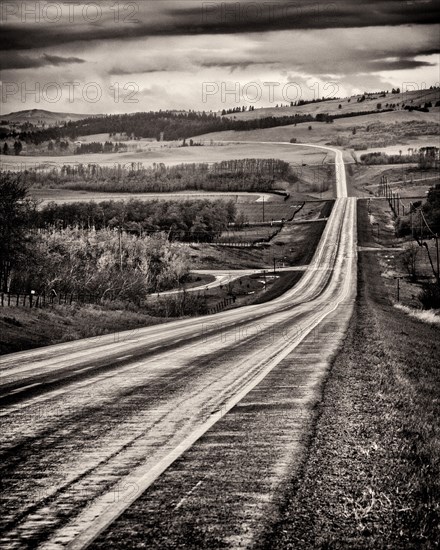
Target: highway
{"points": [[88, 426]]}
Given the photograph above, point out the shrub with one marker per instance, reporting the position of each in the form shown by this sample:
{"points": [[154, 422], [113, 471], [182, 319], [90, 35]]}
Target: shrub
{"points": [[430, 296]]}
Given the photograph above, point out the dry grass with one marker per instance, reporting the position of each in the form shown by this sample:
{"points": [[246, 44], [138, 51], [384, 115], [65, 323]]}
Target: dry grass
{"points": [[428, 316], [23, 328]]}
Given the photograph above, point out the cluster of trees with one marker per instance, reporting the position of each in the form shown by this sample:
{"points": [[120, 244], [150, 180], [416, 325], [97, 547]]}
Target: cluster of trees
{"points": [[424, 109], [110, 263], [18, 147], [104, 263], [98, 147], [16, 215], [425, 157], [186, 220], [237, 110], [234, 175], [308, 101], [61, 145], [431, 208]]}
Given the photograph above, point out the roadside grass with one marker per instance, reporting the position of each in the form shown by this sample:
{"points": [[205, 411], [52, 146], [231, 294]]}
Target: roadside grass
{"points": [[23, 328], [371, 478], [284, 282], [427, 316]]}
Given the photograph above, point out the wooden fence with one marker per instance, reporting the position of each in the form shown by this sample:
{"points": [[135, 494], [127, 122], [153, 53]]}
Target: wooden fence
{"points": [[221, 305]]}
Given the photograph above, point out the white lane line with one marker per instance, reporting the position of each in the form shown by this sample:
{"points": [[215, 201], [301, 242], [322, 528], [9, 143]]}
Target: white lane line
{"points": [[84, 368], [24, 388], [124, 357]]}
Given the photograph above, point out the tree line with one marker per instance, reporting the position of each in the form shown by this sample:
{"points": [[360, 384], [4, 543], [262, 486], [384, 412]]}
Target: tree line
{"points": [[167, 125], [98, 147], [233, 175], [425, 157], [186, 220]]}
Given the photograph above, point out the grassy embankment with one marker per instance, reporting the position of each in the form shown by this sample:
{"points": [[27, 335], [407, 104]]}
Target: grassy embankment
{"points": [[371, 477]]}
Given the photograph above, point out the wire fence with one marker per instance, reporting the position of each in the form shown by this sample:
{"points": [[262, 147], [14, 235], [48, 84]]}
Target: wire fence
{"points": [[36, 300]]}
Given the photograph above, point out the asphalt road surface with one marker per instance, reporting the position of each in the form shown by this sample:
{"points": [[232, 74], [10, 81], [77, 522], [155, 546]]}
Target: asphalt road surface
{"points": [[89, 427]]}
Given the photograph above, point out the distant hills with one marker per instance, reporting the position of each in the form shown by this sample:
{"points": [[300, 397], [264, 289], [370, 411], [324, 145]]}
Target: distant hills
{"points": [[38, 117], [39, 125]]}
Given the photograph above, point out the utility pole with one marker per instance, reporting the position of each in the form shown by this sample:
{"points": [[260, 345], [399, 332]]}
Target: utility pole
{"points": [[398, 287], [438, 264], [120, 247], [263, 208]]}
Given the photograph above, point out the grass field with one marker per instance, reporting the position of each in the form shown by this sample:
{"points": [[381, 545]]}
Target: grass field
{"points": [[66, 195], [172, 155], [393, 128], [293, 246]]}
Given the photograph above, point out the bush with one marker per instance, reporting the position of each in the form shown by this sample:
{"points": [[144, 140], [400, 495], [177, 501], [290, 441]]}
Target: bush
{"points": [[403, 227], [430, 296], [178, 305]]}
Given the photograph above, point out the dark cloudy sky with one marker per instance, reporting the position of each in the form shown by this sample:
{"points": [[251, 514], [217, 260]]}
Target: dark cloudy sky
{"points": [[159, 54]]}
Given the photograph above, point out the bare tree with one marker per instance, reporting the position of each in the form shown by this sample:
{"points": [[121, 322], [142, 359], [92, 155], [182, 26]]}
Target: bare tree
{"points": [[410, 260]]}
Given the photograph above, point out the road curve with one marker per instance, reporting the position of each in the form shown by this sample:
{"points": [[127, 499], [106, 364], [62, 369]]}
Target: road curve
{"points": [[87, 426]]}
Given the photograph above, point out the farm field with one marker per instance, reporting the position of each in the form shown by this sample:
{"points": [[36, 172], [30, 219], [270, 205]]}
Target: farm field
{"points": [[293, 246], [396, 127], [172, 156], [66, 196]]}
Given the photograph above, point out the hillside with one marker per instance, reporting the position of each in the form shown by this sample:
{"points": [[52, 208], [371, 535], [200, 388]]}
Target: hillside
{"points": [[349, 105], [39, 117]]}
